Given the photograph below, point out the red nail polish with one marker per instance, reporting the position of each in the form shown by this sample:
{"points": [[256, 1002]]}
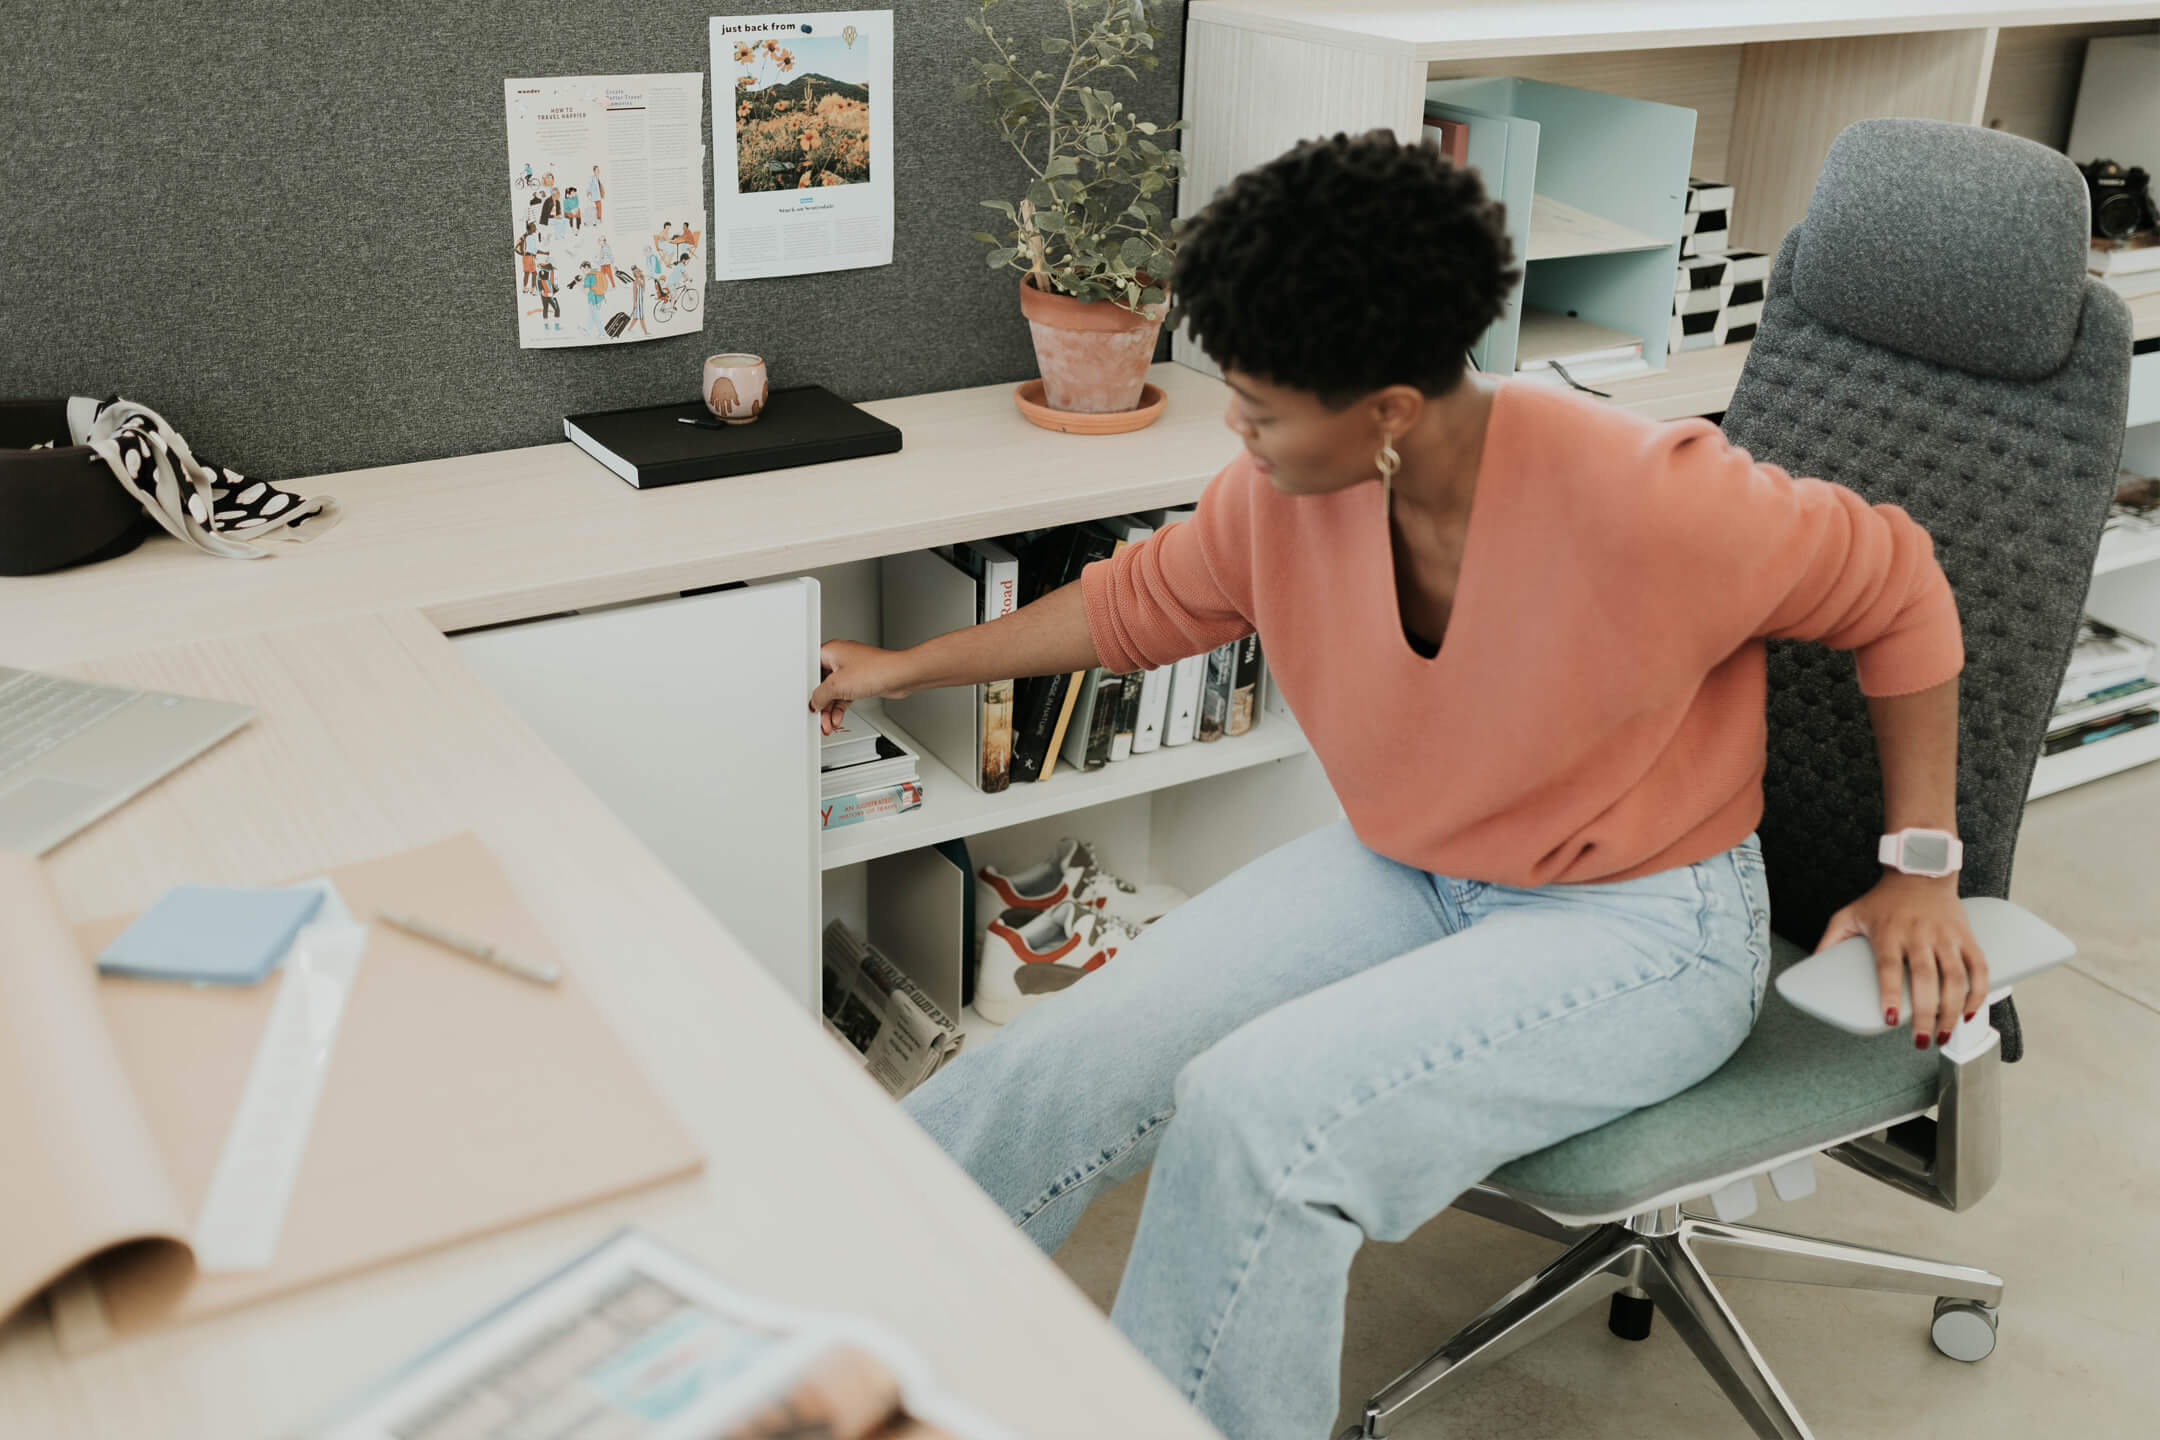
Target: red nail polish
{"points": [[1920, 1042], [1968, 1018], [1889, 1016], [1942, 1038]]}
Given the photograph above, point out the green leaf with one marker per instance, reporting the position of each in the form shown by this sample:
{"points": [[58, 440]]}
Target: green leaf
{"points": [[1062, 165], [986, 237], [1097, 145], [1003, 206], [999, 259]]}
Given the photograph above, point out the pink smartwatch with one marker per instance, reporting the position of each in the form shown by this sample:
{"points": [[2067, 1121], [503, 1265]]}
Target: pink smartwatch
{"points": [[1922, 852]]}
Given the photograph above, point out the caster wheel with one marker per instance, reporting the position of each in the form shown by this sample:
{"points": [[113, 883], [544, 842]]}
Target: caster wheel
{"points": [[1964, 1329], [1630, 1316]]}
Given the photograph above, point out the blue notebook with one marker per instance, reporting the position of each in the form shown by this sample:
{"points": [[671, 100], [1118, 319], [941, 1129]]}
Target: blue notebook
{"points": [[211, 935]]}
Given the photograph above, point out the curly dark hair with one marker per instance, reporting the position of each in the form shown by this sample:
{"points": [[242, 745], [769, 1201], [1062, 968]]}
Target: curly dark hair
{"points": [[1345, 266]]}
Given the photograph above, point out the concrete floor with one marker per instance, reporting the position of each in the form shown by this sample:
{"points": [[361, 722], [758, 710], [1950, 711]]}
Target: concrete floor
{"points": [[2073, 1227]]}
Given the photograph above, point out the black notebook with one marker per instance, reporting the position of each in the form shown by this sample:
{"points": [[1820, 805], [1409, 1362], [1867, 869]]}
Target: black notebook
{"points": [[804, 425]]}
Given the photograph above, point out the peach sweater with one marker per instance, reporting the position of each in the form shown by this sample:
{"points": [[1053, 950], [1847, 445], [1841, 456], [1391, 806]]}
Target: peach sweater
{"points": [[1596, 709]]}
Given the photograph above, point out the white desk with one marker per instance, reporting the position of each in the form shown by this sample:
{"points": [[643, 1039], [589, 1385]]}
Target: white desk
{"points": [[374, 737]]}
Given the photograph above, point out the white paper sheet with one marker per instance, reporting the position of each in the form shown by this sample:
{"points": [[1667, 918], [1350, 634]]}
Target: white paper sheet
{"points": [[802, 143], [607, 202]]}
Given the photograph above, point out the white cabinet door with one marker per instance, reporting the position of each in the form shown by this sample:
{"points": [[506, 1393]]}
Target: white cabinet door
{"points": [[689, 718]]}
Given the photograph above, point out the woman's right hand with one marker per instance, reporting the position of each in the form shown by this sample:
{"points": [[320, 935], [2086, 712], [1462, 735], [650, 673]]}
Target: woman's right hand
{"points": [[854, 671]]}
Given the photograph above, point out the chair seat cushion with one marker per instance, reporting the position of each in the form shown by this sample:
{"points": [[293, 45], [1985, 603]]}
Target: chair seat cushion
{"points": [[1794, 1084]]}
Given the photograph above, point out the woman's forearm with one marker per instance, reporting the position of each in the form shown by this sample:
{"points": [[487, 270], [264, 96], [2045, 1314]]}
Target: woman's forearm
{"points": [[1048, 637], [1916, 737]]}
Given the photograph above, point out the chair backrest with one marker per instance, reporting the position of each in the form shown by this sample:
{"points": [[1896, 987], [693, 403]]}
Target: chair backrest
{"points": [[1930, 338]]}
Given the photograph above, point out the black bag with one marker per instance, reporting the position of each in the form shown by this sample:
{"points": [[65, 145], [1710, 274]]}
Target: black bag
{"points": [[616, 324]]}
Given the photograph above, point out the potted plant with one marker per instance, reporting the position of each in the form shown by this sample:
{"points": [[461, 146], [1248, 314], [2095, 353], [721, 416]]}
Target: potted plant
{"points": [[1091, 235]]}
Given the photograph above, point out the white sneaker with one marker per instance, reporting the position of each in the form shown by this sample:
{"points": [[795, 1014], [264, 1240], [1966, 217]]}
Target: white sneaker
{"points": [[1030, 955], [1073, 874]]}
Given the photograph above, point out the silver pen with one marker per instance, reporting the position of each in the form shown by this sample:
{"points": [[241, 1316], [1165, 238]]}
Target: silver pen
{"points": [[473, 949]]}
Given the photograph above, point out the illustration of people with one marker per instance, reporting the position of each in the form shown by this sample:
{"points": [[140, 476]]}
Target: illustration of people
{"points": [[597, 192], [570, 207], [545, 281], [637, 299], [588, 280], [528, 245], [607, 252], [528, 173]]}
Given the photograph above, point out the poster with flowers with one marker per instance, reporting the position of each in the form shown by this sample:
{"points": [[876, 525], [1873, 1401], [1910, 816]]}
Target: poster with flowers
{"points": [[802, 143]]}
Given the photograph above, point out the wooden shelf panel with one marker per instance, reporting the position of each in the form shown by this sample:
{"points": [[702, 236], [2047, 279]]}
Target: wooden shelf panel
{"points": [[953, 809], [1426, 30]]}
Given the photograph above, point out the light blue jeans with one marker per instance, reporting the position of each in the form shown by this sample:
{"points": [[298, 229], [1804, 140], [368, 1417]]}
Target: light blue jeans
{"points": [[1328, 1046]]}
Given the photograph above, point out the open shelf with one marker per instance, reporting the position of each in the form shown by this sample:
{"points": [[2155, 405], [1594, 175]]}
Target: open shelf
{"points": [[953, 809], [2091, 762], [1558, 230], [2119, 550]]}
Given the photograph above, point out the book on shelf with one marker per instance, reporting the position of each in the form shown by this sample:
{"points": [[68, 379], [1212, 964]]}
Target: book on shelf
{"points": [[1215, 692], [2094, 732], [650, 446], [1091, 734], [1452, 136], [870, 805], [997, 579], [1245, 687], [1181, 722], [1043, 705], [893, 764], [2131, 256], [1132, 529], [2103, 658], [853, 740], [1149, 713], [2133, 285], [1587, 350]]}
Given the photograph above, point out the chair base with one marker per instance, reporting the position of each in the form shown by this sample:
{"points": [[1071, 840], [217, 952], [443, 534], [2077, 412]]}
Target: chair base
{"points": [[1669, 1256]]}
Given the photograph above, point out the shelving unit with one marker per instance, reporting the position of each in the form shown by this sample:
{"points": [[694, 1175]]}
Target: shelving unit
{"points": [[953, 809], [1594, 186]]}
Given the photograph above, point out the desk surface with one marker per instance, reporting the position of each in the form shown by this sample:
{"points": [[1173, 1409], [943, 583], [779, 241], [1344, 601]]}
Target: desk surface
{"points": [[519, 533], [374, 737]]}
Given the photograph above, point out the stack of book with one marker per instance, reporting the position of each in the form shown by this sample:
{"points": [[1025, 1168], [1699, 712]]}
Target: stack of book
{"points": [[1567, 349], [1015, 731], [2130, 267], [864, 774], [1718, 293], [2107, 691]]}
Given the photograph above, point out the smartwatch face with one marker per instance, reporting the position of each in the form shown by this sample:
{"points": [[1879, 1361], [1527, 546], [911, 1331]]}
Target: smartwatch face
{"points": [[1927, 852]]}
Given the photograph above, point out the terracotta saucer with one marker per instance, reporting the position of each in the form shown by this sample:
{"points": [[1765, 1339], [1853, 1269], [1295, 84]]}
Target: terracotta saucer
{"points": [[1028, 395]]}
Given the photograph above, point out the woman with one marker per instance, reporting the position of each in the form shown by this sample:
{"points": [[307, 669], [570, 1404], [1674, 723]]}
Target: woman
{"points": [[1523, 630]]}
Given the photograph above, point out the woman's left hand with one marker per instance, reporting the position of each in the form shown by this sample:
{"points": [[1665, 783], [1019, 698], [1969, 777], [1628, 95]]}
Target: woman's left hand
{"points": [[1915, 924]]}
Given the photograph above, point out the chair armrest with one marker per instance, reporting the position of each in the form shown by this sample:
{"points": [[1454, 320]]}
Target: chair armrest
{"points": [[1838, 986]]}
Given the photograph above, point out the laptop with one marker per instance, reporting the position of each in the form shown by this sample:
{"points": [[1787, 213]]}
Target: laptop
{"points": [[71, 750]]}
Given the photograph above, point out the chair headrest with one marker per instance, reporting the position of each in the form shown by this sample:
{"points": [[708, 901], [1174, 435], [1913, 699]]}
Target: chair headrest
{"points": [[1959, 245]]}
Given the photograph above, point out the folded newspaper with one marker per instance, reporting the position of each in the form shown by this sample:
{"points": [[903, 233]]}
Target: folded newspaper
{"points": [[900, 1032], [633, 1341]]}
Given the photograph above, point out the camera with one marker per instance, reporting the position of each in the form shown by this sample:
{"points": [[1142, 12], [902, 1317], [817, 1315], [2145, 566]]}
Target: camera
{"points": [[2122, 203]]}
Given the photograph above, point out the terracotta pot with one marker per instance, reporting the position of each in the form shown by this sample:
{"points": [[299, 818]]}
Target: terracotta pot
{"points": [[1094, 355]]}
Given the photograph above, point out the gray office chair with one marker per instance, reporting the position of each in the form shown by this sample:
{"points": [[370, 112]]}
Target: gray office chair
{"points": [[1931, 339]]}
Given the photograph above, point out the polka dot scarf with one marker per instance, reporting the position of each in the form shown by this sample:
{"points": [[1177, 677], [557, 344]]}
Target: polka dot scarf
{"points": [[210, 507]]}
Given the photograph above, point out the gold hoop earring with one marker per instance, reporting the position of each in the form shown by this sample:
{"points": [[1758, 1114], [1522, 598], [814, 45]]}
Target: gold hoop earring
{"points": [[1388, 462]]}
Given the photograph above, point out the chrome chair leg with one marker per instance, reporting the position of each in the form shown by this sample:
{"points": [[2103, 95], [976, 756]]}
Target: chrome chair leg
{"points": [[1601, 1263], [1756, 1254], [1498, 1205], [1697, 1313]]}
